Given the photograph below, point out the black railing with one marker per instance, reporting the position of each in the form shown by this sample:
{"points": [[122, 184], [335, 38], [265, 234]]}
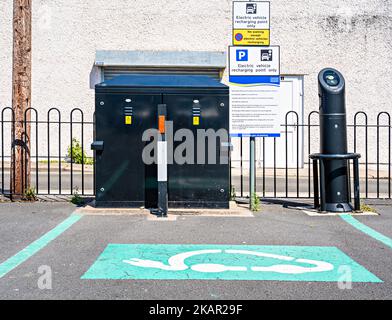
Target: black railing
{"points": [[54, 171], [374, 144]]}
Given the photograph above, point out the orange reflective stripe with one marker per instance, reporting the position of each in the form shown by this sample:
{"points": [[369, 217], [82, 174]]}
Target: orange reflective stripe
{"points": [[161, 125]]}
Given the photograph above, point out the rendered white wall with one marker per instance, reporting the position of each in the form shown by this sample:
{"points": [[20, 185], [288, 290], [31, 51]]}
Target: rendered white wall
{"points": [[354, 36]]}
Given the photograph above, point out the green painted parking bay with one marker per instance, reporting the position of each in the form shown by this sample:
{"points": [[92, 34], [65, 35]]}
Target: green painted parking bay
{"points": [[224, 262]]}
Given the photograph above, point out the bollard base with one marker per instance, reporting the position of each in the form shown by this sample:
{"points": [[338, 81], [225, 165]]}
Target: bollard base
{"points": [[320, 196], [338, 208]]}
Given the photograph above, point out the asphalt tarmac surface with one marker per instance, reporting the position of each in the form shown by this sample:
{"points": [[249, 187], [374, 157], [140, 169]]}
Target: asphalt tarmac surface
{"points": [[74, 251]]}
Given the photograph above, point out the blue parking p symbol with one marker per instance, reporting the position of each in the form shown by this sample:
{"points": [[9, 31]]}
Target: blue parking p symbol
{"points": [[242, 55]]}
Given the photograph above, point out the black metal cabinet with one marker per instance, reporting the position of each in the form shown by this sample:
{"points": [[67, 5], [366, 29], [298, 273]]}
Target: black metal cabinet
{"points": [[126, 107], [122, 178], [201, 183]]}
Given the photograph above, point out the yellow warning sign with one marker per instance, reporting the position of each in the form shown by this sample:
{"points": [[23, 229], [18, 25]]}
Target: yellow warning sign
{"points": [[250, 37], [128, 120], [196, 121]]}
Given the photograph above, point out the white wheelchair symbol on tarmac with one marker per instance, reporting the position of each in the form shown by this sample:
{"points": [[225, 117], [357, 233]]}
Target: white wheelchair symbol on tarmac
{"points": [[177, 263]]}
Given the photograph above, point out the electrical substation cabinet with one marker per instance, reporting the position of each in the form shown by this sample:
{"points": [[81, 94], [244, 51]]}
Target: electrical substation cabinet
{"points": [[197, 131]]}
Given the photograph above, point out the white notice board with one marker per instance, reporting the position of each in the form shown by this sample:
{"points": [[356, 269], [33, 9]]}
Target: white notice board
{"points": [[255, 111]]}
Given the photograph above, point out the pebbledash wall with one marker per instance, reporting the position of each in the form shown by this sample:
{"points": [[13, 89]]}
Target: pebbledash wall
{"points": [[354, 36]]}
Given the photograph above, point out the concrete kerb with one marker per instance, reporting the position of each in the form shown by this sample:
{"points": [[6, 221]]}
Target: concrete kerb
{"points": [[235, 210], [54, 167], [307, 206], [310, 211], [314, 213]]}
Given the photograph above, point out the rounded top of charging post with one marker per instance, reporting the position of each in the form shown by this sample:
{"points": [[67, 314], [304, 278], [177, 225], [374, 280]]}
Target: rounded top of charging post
{"points": [[331, 80]]}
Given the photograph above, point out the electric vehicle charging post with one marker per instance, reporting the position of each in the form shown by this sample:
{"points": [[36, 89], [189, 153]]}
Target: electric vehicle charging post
{"points": [[333, 158]]}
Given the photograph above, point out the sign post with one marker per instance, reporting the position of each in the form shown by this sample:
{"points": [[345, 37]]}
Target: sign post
{"points": [[255, 79], [252, 171], [254, 76]]}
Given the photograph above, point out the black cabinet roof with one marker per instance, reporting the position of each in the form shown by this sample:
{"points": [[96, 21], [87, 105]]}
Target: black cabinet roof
{"points": [[162, 81]]}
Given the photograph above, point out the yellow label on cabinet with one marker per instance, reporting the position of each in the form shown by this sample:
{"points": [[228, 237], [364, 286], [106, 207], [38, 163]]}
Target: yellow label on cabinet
{"points": [[128, 120], [249, 37]]}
